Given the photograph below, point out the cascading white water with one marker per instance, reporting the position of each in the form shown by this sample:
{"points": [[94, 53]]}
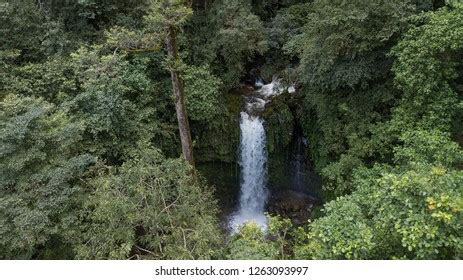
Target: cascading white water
{"points": [[259, 83], [253, 155], [253, 158], [253, 163]]}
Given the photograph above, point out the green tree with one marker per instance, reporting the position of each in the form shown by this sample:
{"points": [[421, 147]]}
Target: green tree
{"points": [[343, 42], [39, 166], [426, 68], [239, 36], [150, 207], [412, 207], [412, 213], [346, 74], [251, 242], [202, 94], [22, 28], [166, 18]]}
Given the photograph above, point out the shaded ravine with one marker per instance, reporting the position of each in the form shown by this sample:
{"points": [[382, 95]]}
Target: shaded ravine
{"points": [[281, 182]]}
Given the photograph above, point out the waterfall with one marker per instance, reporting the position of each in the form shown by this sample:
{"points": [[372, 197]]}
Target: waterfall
{"points": [[297, 164], [253, 158], [253, 163], [259, 82]]}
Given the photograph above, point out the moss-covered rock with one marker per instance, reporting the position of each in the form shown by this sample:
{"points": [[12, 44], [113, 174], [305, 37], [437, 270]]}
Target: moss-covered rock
{"points": [[279, 123], [218, 140]]}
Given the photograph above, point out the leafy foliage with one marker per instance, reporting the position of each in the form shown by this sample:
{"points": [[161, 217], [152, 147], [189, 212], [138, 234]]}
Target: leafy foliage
{"points": [[150, 208], [342, 42], [202, 94], [394, 213], [89, 143], [252, 243], [39, 167], [21, 28], [238, 38], [345, 71], [426, 65], [111, 88], [411, 209], [343, 234]]}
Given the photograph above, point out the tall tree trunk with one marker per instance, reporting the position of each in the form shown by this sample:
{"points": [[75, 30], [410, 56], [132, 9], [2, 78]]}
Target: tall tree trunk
{"points": [[177, 85]]}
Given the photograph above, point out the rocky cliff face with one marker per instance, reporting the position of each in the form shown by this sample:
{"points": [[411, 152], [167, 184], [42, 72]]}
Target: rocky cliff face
{"points": [[219, 140], [217, 145]]}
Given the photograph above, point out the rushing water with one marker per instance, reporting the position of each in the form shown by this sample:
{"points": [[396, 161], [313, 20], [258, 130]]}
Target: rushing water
{"points": [[259, 183], [253, 158], [253, 163]]}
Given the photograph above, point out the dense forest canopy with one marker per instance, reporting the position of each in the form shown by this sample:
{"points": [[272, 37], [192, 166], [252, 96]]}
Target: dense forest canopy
{"points": [[94, 130]]}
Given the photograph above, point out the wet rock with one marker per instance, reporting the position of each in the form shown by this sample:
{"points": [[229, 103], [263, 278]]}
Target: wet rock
{"points": [[292, 204]]}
